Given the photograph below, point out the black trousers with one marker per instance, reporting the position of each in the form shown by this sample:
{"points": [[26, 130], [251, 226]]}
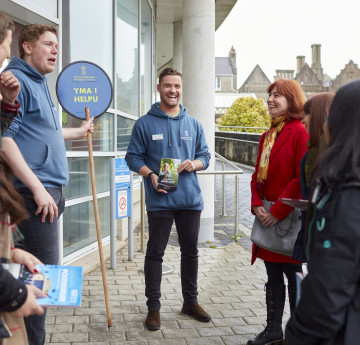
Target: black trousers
{"points": [[276, 270], [187, 225]]}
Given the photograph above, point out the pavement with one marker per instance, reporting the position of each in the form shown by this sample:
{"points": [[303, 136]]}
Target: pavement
{"points": [[230, 289]]}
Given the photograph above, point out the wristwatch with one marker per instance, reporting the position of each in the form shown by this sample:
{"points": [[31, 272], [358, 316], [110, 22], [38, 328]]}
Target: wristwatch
{"points": [[149, 174]]}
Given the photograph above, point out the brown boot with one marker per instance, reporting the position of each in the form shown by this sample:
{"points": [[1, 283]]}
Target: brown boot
{"points": [[152, 322], [196, 312]]}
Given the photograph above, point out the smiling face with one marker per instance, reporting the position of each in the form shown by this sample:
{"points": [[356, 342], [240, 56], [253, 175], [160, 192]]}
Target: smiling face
{"points": [[43, 53], [277, 104], [170, 92], [5, 47]]}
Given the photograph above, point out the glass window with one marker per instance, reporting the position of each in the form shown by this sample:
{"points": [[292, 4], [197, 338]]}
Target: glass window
{"points": [[145, 57], [79, 224], [217, 83], [103, 137], [127, 57], [88, 33], [79, 184], [124, 127]]}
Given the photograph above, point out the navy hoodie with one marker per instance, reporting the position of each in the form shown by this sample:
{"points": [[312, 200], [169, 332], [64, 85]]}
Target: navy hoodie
{"points": [[36, 130], [157, 135]]}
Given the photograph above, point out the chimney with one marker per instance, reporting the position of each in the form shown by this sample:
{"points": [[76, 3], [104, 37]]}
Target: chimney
{"points": [[300, 63], [232, 57], [316, 60]]}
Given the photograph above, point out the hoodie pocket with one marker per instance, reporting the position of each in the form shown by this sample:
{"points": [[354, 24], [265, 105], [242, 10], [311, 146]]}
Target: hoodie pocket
{"points": [[188, 193], [54, 168]]}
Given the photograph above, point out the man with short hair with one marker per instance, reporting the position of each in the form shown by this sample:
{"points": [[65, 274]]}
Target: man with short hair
{"points": [[34, 145], [168, 132]]}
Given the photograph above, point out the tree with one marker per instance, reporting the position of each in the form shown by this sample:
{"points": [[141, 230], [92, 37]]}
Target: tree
{"points": [[247, 112]]}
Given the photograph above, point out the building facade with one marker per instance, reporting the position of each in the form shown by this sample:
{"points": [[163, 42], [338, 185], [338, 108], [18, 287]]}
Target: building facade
{"points": [[226, 73]]}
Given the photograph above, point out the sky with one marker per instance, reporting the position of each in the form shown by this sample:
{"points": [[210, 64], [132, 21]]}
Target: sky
{"points": [[272, 33]]}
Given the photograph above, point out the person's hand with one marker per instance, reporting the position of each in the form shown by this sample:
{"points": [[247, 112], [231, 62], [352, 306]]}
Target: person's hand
{"points": [[186, 165], [86, 126], [9, 87], [269, 220], [46, 204], [154, 181], [25, 258], [31, 305], [260, 212]]}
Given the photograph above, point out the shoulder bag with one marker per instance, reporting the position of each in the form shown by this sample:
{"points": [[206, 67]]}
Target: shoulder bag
{"points": [[279, 238]]}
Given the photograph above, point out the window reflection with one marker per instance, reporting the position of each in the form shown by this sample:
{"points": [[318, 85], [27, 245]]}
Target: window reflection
{"points": [[127, 57], [79, 224], [103, 138], [124, 128], [145, 60], [79, 184], [88, 33]]}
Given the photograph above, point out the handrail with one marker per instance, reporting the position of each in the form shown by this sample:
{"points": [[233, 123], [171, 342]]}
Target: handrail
{"points": [[240, 128], [202, 172], [223, 159]]}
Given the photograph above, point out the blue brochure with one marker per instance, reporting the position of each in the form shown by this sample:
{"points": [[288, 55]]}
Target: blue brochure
{"points": [[62, 284]]}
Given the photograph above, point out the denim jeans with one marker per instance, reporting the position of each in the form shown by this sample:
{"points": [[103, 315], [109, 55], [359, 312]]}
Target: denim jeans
{"points": [[187, 225], [41, 240]]}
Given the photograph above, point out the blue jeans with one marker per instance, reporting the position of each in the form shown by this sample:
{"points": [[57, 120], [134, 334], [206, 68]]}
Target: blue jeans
{"points": [[188, 226], [41, 240]]}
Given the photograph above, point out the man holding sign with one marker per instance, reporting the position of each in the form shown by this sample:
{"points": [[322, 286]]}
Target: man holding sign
{"points": [[34, 145], [167, 137]]}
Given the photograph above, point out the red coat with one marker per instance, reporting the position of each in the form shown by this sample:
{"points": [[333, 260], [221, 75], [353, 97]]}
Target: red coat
{"points": [[283, 179]]}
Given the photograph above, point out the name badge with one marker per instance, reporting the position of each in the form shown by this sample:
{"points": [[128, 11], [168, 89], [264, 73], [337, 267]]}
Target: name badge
{"points": [[157, 137]]}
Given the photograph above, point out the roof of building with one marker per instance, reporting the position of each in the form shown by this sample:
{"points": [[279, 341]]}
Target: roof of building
{"points": [[225, 100], [257, 76], [223, 66]]}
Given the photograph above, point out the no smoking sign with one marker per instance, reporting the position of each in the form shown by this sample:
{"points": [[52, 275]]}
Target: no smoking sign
{"points": [[122, 203]]}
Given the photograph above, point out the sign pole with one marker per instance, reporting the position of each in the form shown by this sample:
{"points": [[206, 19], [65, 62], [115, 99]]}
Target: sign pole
{"points": [[97, 221]]}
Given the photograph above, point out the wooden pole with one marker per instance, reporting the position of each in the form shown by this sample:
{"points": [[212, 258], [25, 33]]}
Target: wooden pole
{"points": [[97, 221]]}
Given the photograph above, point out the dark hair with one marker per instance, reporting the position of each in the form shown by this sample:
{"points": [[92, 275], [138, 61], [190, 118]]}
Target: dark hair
{"points": [[6, 24], [317, 107], [169, 71], [293, 93], [31, 33], [341, 160], [11, 201]]}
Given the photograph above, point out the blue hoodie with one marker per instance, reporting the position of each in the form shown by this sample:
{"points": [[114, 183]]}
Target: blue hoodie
{"points": [[158, 135], [36, 130]]}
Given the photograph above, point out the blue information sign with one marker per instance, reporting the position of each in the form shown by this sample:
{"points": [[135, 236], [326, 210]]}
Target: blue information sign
{"points": [[84, 84], [122, 188], [122, 174]]}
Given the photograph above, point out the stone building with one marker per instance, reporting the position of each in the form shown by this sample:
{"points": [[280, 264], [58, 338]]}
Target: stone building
{"points": [[226, 73], [256, 83], [350, 72], [312, 79]]}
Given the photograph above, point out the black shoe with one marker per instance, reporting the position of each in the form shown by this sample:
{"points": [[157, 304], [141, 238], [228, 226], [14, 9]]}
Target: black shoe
{"points": [[152, 322], [196, 312], [267, 337]]}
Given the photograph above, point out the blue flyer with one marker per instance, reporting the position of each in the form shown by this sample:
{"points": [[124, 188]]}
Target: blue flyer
{"points": [[63, 284]]}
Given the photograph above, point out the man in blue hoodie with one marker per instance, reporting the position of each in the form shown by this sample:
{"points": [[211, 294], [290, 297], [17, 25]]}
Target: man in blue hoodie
{"points": [[34, 145], [168, 132]]}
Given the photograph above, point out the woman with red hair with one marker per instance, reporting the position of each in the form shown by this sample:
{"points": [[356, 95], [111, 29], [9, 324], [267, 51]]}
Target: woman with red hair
{"points": [[277, 175]]}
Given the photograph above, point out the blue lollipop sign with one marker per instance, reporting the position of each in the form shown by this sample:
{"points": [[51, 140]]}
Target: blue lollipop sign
{"points": [[84, 84]]}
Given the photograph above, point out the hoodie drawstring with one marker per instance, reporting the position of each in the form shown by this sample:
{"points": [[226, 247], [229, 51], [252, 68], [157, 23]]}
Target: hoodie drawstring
{"points": [[169, 136], [179, 131]]}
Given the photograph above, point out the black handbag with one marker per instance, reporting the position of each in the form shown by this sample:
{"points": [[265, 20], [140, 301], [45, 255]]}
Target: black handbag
{"points": [[279, 238]]}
